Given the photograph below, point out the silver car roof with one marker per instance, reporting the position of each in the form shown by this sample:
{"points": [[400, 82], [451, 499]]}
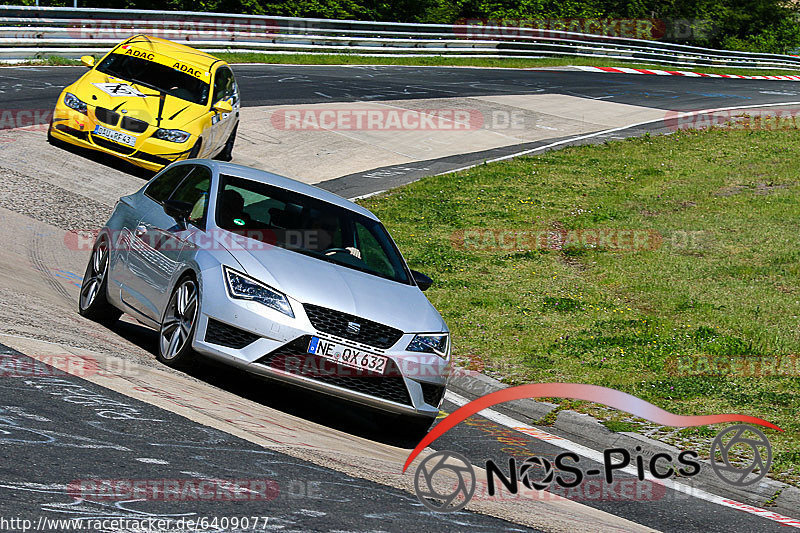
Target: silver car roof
{"points": [[283, 182]]}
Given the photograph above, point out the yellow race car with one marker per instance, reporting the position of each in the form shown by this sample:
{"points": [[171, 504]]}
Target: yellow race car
{"points": [[151, 102]]}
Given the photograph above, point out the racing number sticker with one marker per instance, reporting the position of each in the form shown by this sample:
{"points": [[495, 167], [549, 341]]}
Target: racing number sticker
{"points": [[118, 89]]}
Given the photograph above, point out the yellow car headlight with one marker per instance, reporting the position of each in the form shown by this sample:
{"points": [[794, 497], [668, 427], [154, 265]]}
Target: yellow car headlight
{"points": [[176, 136], [73, 102]]}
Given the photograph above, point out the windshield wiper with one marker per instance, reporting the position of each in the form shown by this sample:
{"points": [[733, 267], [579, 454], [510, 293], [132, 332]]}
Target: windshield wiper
{"points": [[329, 259], [312, 253]]}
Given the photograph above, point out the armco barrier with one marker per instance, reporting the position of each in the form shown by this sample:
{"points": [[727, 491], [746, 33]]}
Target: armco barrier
{"points": [[28, 32]]}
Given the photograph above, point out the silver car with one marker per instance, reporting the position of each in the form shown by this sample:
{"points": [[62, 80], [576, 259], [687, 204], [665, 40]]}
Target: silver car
{"points": [[274, 276]]}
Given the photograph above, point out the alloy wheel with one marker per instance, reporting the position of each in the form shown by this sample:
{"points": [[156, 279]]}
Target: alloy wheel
{"points": [[96, 274], [179, 318]]}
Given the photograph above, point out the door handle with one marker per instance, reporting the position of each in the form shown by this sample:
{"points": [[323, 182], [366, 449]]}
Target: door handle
{"points": [[141, 229]]}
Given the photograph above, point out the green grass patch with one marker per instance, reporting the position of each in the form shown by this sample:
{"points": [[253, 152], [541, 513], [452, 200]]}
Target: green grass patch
{"points": [[619, 426], [53, 61], [58, 61], [721, 281], [443, 61]]}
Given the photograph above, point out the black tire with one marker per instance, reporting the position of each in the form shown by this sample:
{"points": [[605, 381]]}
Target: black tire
{"points": [[195, 149], [179, 319], [50, 138], [226, 154], [93, 300]]}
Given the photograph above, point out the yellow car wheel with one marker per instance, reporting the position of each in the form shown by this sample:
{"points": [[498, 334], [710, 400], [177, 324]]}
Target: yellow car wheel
{"points": [[226, 154], [195, 149]]}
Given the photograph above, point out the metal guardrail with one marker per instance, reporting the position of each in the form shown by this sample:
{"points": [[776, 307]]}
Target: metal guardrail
{"points": [[37, 32]]}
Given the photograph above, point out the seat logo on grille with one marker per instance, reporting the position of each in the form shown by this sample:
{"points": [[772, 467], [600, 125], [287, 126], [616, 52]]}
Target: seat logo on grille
{"points": [[353, 328]]}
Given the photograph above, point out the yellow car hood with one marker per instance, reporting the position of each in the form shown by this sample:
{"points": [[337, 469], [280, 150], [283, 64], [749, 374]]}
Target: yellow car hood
{"points": [[175, 112]]}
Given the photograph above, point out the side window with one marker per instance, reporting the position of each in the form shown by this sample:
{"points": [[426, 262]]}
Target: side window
{"points": [[194, 190], [161, 188], [223, 85]]}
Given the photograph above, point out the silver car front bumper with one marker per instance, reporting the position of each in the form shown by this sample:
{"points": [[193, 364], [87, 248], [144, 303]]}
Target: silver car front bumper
{"points": [[266, 342]]}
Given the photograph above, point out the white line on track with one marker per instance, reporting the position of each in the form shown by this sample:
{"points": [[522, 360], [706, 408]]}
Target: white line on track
{"points": [[597, 456], [363, 196], [678, 116]]}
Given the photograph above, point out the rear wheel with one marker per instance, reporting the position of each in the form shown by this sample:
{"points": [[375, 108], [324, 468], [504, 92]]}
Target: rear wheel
{"points": [[179, 323], [226, 154], [93, 302]]}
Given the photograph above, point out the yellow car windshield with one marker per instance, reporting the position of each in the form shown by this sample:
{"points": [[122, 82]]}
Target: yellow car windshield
{"points": [[155, 76]]}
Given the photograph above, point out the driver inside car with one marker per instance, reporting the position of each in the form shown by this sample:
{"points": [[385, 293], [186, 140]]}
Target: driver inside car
{"points": [[232, 212], [323, 234]]}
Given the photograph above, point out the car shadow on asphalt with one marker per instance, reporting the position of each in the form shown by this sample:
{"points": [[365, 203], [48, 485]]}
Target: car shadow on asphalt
{"points": [[105, 159], [329, 411]]}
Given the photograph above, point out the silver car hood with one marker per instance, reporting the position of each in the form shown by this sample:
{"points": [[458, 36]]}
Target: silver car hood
{"points": [[318, 282]]}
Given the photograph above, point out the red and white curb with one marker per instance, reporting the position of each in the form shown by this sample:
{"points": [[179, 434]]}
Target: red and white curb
{"points": [[625, 70]]}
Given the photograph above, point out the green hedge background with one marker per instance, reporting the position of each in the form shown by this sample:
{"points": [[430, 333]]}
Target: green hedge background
{"points": [[771, 26]]}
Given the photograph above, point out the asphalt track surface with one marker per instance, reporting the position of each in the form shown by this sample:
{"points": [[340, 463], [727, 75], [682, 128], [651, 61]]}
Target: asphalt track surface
{"points": [[64, 444], [48, 442], [30, 87], [269, 85]]}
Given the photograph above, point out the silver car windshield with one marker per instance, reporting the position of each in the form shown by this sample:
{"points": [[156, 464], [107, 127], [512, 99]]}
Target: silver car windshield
{"points": [[309, 226]]}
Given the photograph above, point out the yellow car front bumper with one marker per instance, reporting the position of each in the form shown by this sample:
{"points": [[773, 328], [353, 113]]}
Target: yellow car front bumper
{"points": [[78, 129]]}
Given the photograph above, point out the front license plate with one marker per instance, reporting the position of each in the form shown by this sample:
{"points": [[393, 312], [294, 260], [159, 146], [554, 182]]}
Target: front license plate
{"points": [[116, 136], [344, 355]]}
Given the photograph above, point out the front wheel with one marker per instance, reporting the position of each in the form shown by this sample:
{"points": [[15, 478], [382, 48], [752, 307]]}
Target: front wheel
{"points": [[179, 323], [93, 302], [195, 151]]}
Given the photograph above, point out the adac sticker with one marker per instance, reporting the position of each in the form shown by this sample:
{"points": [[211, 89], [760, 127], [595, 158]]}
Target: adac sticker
{"points": [[135, 52], [192, 71]]}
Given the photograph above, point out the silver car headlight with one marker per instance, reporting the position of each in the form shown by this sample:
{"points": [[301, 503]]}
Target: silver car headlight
{"points": [[73, 102], [244, 287], [176, 136], [435, 343]]}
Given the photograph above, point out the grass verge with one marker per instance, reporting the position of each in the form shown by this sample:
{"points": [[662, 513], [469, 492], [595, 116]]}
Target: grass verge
{"points": [[718, 277], [349, 59], [441, 61]]}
